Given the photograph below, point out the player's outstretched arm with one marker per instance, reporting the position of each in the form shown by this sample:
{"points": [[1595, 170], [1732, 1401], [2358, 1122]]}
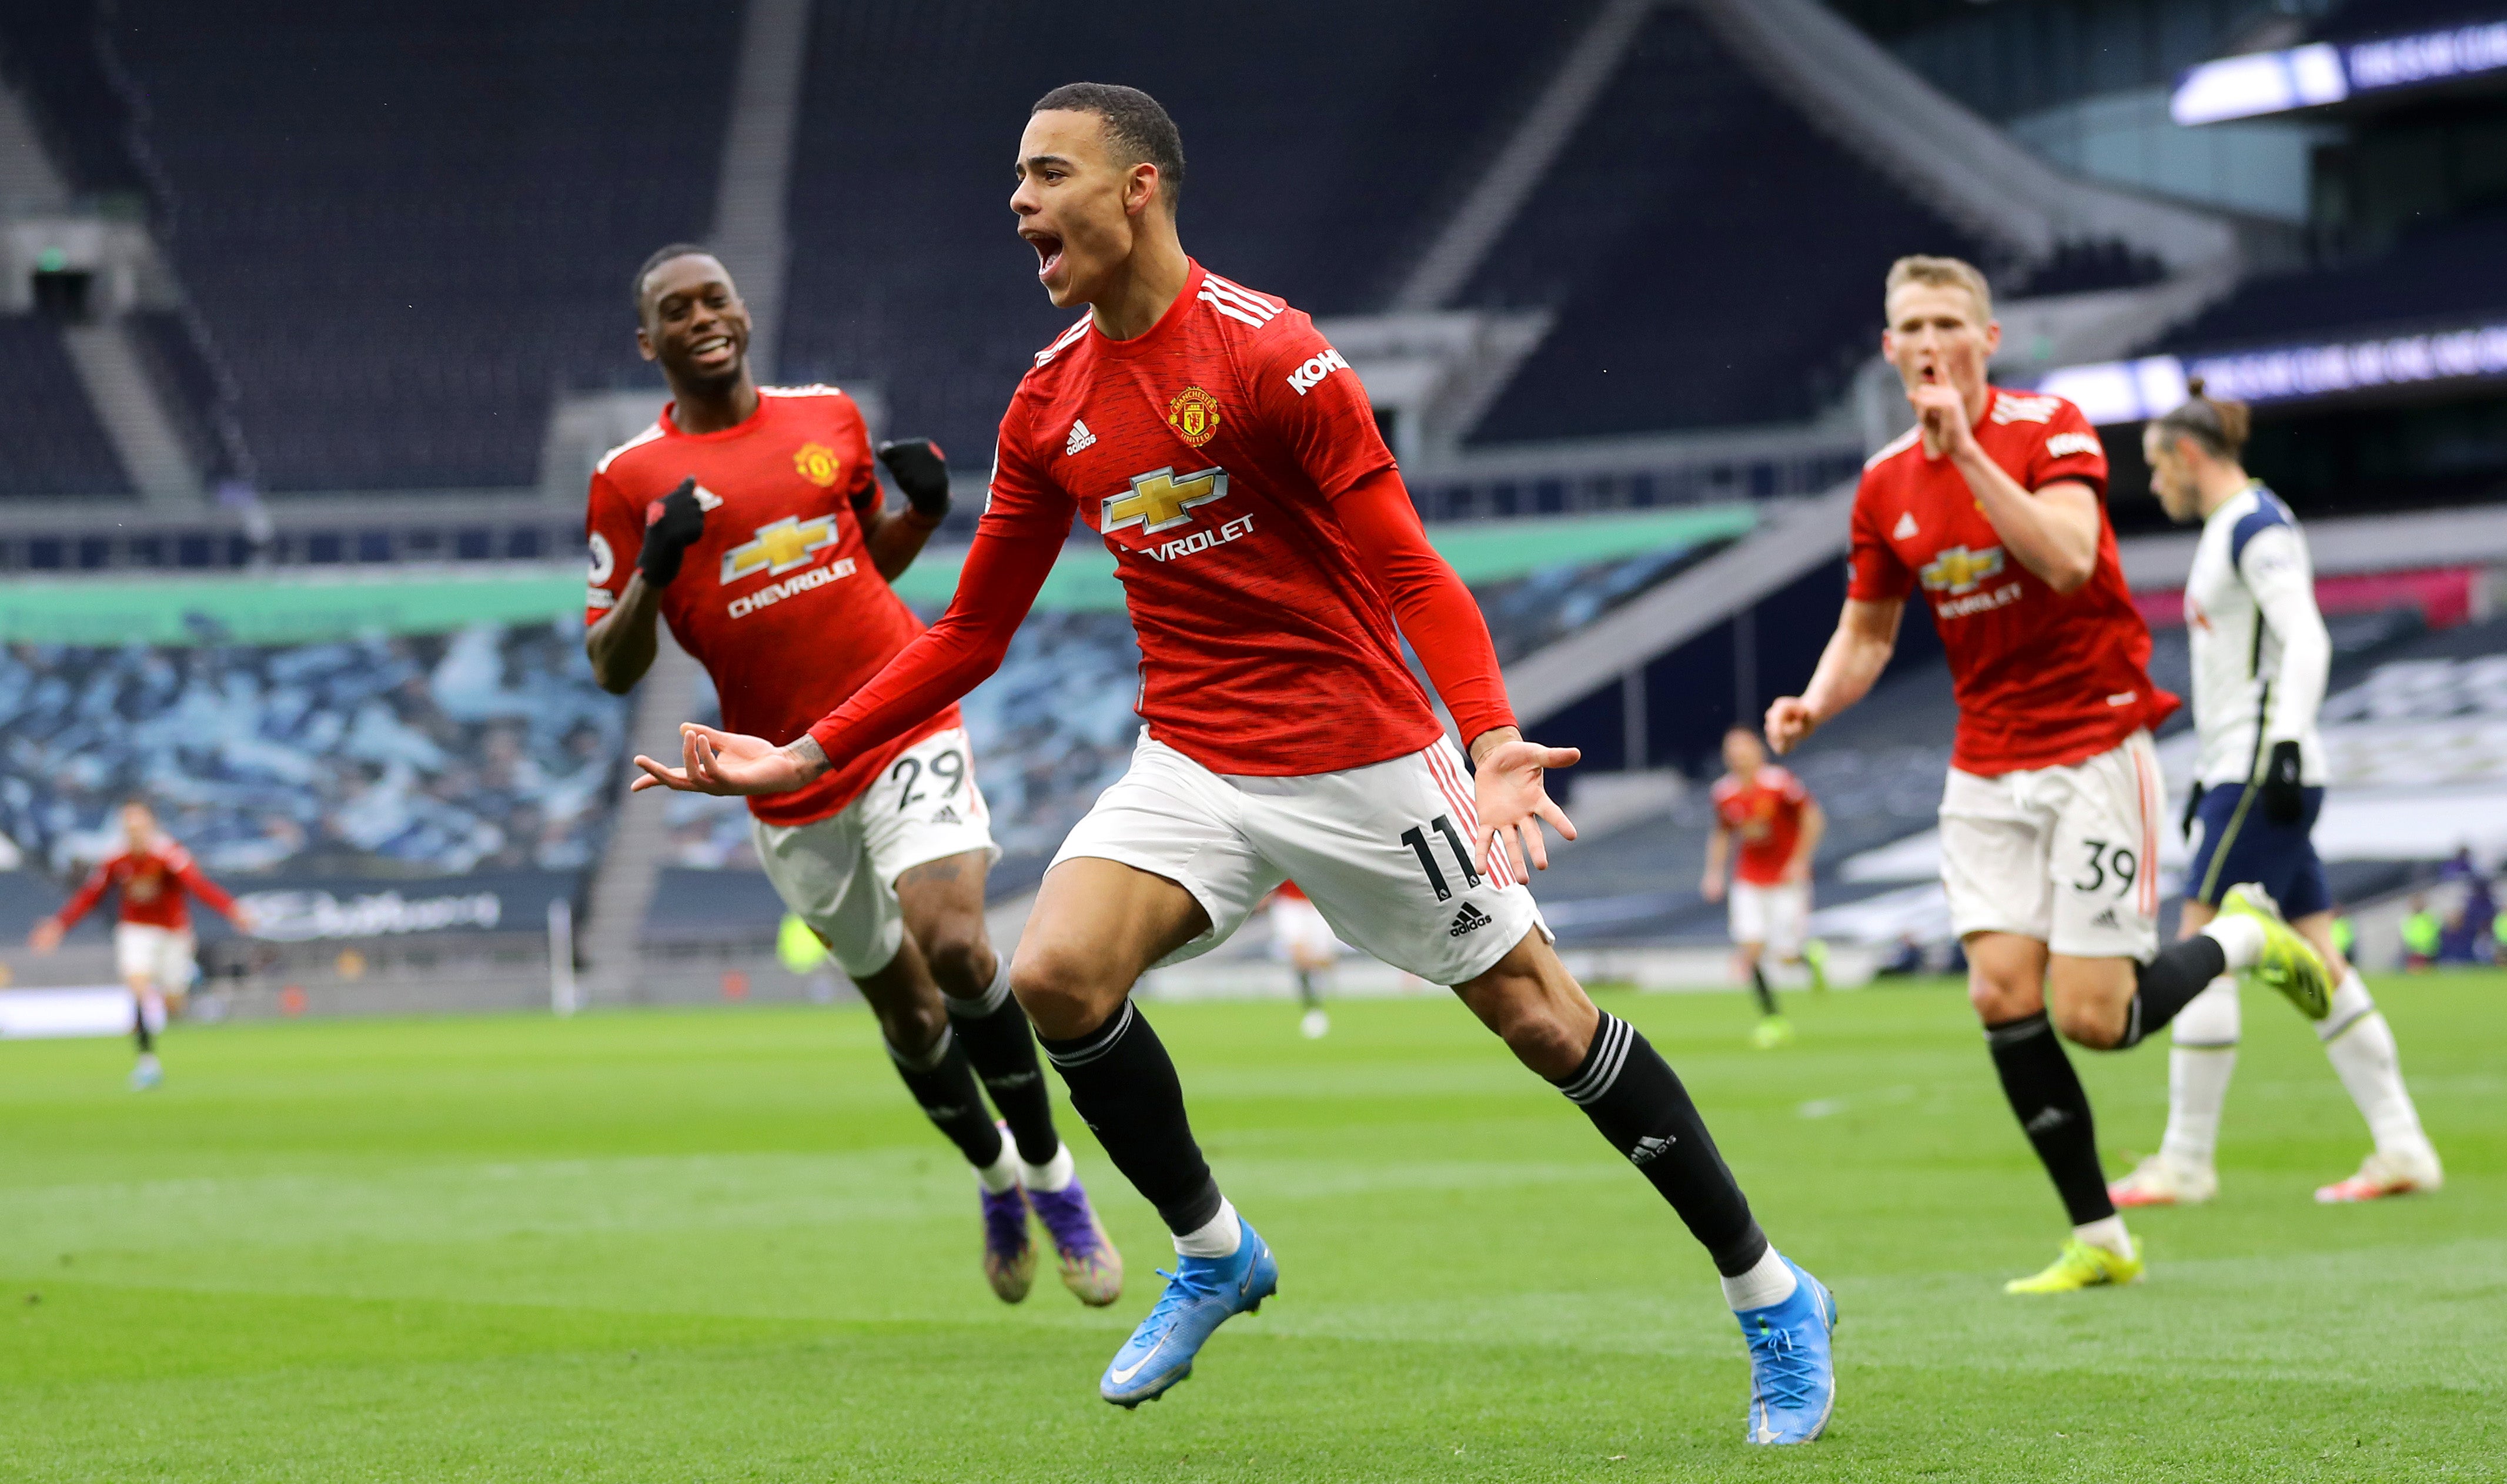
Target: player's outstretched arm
{"points": [[623, 644], [999, 584], [1867, 635]]}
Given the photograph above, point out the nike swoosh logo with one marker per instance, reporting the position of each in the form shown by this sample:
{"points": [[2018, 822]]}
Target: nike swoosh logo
{"points": [[1124, 1377]]}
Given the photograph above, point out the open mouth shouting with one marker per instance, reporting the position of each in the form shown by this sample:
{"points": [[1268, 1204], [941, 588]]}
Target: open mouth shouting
{"points": [[1048, 253]]}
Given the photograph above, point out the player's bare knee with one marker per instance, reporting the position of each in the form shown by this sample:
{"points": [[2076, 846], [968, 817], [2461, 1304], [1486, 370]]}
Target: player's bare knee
{"points": [[2094, 1025], [961, 955], [1999, 997], [1064, 987]]}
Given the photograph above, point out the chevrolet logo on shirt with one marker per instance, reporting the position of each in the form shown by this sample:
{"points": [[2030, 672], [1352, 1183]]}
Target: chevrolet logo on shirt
{"points": [[779, 547], [1958, 569], [1157, 500]]}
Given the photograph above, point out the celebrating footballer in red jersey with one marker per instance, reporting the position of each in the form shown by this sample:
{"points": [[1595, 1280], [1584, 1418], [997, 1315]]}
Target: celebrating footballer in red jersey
{"points": [[1993, 505], [1765, 817], [1272, 561], [154, 877], [749, 520]]}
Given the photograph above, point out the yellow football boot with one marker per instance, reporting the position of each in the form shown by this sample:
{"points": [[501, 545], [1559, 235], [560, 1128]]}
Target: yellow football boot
{"points": [[2081, 1266], [2289, 962]]}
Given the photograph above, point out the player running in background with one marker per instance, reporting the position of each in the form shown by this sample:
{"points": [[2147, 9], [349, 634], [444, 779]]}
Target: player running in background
{"points": [[1302, 939], [1230, 461], [1994, 504], [152, 948], [1778, 825], [749, 519], [2261, 661]]}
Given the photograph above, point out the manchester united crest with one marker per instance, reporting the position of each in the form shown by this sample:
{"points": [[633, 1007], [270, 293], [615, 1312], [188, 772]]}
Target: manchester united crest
{"points": [[1194, 416], [817, 463]]}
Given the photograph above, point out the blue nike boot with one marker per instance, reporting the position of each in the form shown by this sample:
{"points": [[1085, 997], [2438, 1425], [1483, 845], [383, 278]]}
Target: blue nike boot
{"points": [[1792, 1374], [1202, 1293]]}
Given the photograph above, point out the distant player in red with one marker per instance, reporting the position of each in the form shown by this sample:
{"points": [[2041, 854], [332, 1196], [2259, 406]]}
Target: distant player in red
{"points": [[152, 932], [1993, 505], [1228, 458], [749, 518], [1778, 825]]}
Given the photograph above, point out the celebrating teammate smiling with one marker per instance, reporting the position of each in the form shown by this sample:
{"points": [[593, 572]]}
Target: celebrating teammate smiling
{"points": [[1231, 463]]}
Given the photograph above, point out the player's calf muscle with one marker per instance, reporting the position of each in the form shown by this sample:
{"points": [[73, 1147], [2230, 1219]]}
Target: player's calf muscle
{"points": [[1097, 926], [1536, 1007]]}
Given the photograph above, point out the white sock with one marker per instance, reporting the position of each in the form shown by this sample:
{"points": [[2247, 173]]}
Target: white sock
{"points": [[1055, 1173], [1003, 1173], [2361, 1047], [2108, 1234], [2198, 1066], [1217, 1237], [2240, 937], [1769, 1282]]}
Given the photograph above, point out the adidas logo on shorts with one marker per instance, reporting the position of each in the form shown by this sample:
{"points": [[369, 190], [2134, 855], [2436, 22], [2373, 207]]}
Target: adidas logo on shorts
{"points": [[2106, 918], [1650, 1148], [1470, 920], [947, 814]]}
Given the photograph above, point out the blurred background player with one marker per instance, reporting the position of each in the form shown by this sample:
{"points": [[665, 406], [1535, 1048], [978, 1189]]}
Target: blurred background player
{"points": [[1778, 825], [2261, 660], [749, 519], [1302, 939], [1994, 504], [152, 948], [1273, 562]]}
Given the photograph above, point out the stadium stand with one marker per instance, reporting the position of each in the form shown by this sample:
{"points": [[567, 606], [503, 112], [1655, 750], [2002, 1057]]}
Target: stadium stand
{"points": [[55, 447], [486, 748]]}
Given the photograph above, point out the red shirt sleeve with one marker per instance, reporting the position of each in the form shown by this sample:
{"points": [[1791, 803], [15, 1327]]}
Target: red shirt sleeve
{"points": [[2071, 450], [1873, 572], [1306, 390], [615, 532], [1016, 544], [1437, 613], [197, 881], [83, 901]]}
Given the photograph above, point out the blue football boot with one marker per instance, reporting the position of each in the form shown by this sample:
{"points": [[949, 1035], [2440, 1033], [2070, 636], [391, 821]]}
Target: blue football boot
{"points": [[1793, 1375], [1202, 1293]]}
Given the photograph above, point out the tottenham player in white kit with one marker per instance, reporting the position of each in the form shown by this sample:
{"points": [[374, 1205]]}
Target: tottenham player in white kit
{"points": [[2261, 658]]}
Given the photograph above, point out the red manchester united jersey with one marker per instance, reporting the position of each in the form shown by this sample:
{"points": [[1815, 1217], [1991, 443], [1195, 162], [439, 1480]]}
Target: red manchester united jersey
{"points": [[2044, 680], [1764, 815], [1207, 453], [777, 600], [154, 884]]}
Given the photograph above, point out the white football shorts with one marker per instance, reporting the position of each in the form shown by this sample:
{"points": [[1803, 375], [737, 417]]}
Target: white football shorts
{"points": [[162, 955], [1299, 932], [1777, 917], [2066, 855], [1383, 851], [839, 874]]}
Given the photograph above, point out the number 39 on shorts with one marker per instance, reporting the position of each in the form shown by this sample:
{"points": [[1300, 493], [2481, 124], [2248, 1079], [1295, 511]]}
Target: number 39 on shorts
{"points": [[2106, 865]]}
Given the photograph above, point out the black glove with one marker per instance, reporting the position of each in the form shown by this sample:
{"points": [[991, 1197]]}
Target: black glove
{"points": [[922, 471], [672, 524], [2193, 808], [2284, 802]]}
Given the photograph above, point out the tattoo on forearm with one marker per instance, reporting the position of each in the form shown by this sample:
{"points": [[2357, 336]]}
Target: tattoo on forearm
{"points": [[811, 755]]}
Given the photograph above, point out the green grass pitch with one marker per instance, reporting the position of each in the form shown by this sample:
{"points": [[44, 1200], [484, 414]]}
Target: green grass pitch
{"points": [[722, 1246]]}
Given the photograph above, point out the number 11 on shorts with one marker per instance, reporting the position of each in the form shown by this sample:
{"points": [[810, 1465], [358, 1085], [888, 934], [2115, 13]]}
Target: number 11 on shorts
{"points": [[1416, 838]]}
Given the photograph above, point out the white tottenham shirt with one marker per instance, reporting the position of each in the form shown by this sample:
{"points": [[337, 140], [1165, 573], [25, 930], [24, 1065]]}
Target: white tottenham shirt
{"points": [[2261, 655]]}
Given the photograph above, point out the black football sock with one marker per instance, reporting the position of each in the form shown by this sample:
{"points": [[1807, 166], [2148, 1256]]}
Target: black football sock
{"points": [[1758, 987], [999, 1044], [941, 1080], [1636, 1099], [2169, 982], [1124, 1085], [139, 1030], [2052, 1110], [1307, 995]]}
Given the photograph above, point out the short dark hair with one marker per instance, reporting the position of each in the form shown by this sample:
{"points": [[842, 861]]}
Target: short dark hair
{"points": [[661, 255], [2218, 426], [1137, 128]]}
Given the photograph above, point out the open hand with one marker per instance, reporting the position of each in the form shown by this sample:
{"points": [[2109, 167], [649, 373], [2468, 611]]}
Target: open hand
{"points": [[718, 762], [1511, 802]]}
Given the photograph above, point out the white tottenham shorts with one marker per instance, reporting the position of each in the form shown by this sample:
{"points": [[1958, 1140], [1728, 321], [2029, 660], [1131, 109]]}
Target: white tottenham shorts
{"points": [[2066, 855], [1777, 915], [162, 955], [839, 874], [1384, 853], [1299, 932]]}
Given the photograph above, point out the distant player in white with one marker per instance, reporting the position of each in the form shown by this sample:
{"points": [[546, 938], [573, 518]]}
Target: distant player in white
{"points": [[1305, 942], [2261, 657]]}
